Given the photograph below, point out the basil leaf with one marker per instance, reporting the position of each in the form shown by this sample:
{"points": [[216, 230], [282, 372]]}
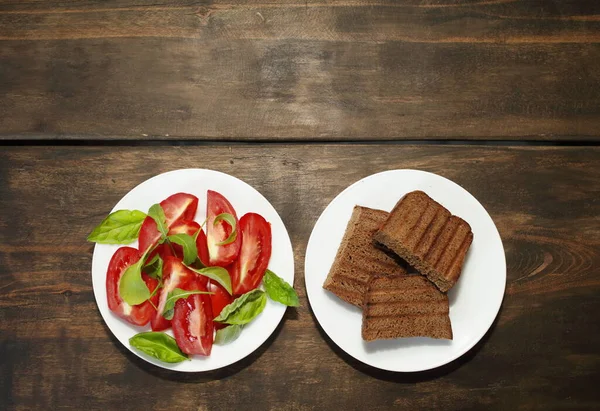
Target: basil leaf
{"points": [[154, 267], [172, 298], [158, 345], [219, 274], [190, 252], [229, 219], [132, 288], [120, 227], [158, 215], [244, 308], [228, 334], [279, 290]]}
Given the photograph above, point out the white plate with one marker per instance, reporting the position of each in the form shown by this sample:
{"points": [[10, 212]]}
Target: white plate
{"points": [[474, 300], [244, 199]]}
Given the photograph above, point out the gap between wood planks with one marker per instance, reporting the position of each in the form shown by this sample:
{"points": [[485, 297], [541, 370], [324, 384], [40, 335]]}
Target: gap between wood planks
{"points": [[119, 142]]}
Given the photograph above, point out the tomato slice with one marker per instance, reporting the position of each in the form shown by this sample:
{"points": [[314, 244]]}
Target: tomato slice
{"points": [[182, 227], [178, 207], [192, 323], [219, 299], [248, 270], [202, 247], [175, 275], [138, 314], [221, 255]]}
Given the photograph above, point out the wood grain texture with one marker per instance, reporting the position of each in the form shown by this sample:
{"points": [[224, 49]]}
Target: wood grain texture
{"points": [[541, 353], [350, 70]]}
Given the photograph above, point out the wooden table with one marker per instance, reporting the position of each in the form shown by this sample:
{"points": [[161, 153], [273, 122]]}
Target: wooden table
{"points": [[300, 99]]}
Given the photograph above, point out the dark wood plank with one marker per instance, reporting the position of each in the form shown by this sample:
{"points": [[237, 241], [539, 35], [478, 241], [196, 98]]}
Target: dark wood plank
{"points": [[352, 70], [542, 352]]}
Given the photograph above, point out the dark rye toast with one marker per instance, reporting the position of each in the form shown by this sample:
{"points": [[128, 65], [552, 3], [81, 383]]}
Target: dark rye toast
{"points": [[401, 306], [357, 259], [428, 237]]}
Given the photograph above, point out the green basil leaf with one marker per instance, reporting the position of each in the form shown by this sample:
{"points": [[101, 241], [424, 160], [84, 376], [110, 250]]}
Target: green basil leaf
{"points": [[244, 308], [190, 252], [228, 334], [120, 227], [279, 290], [158, 215], [158, 345], [229, 219], [172, 298], [219, 274], [154, 267], [132, 288]]}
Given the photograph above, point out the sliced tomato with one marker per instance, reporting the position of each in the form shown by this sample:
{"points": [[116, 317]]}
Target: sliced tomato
{"points": [[221, 255], [178, 207], [219, 299], [137, 314], [248, 270], [183, 227], [202, 247], [175, 275], [192, 323]]}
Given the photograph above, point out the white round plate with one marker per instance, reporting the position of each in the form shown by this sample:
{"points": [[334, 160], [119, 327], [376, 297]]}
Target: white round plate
{"points": [[244, 199], [474, 300]]}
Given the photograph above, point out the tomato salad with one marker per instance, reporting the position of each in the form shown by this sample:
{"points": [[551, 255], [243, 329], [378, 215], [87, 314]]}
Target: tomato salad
{"points": [[203, 285]]}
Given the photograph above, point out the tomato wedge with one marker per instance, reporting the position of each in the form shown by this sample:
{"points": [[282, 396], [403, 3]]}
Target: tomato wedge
{"points": [[221, 255], [182, 227], [202, 247], [178, 207], [175, 275], [193, 326], [219, 299], [138, 314], [248, 270]]}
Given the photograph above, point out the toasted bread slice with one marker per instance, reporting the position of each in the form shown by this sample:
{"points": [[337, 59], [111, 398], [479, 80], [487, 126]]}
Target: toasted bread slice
{"points": [[428, 237], [357, 259], [404, 306]]}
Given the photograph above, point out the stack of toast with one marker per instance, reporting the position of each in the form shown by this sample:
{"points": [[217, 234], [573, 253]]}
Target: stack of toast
{"points": [[398, 267]]}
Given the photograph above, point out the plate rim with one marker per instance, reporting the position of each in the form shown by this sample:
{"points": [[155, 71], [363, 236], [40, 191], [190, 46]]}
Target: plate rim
{"points": [[172, 367], [460, 352]]}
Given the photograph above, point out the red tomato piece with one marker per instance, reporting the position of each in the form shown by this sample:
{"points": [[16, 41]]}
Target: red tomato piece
{"points": [[178, 207], [248, 270], [138, 314], [202, 247], [182, 227], [175, 275], [221, 255], [192, 323], [219, 300]]}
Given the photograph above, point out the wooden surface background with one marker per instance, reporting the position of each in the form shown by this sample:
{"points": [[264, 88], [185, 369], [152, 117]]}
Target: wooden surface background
{"points": [[306, 70], [98, 96], [541, 353]]}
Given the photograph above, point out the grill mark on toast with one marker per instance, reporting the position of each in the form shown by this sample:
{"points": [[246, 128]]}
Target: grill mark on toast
{"points": [[461, 253], [445, 252]]}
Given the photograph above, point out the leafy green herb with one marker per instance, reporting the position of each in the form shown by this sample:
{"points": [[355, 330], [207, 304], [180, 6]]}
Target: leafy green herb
{"points": [[172, 298], [157, 213], [229, 219], [132, 288], [154, 267], [228, 334], [244, 308], [158, 345], [120, 227], [190, 252], [219, 274], [279, 290]]}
